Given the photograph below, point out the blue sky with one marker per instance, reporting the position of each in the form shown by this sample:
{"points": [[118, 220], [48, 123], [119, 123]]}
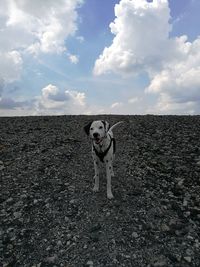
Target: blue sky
{"points": [[92, 57]]}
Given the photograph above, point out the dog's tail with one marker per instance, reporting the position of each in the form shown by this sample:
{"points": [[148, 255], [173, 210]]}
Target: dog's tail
{"points": [[112, 127]]}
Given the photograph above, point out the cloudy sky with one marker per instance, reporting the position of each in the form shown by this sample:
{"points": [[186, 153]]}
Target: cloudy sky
{"points": [[99, 56]]}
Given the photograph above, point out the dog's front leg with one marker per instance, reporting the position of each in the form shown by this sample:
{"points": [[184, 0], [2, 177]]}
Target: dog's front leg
{"points": [[108, 175], [96, 176]]}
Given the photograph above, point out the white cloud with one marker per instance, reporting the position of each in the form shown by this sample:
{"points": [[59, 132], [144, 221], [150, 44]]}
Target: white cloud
{"points": [[133, 100], [53, 100], [78, 98], [11, 104], [74, 59], [116, 105], [140, 30], [178, 84], [80, 39], [11, 66], [166, 105], [141, 43], [46, 25], [37, 26]]}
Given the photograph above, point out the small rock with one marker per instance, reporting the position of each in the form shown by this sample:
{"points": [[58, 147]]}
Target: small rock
{"points": [[126, 256], [165, 227], [71, 188], [35, 201], [180, 182], [188, 259], [189, 252], [47, 205], [62, 252], [59, 243], [10, 229], [89, 263], [2, 167], [66, 219], [72, 201], [190, 237], [135, 235], [159, 264], [185, 203], [48, 248], [9, 200], [69, 236], [23, 196], [197, 244], [51, 259], [187, 213], [17, 215]]}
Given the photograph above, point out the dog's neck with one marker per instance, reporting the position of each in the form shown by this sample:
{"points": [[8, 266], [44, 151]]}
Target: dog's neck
{"points": [[102, 146]]}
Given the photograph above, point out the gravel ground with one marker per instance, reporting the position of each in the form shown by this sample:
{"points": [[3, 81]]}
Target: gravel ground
{"points": [[49, 215]]}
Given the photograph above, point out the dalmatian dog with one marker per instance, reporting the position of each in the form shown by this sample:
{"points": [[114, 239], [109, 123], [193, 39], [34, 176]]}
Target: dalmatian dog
{"points": [[103, 150]]}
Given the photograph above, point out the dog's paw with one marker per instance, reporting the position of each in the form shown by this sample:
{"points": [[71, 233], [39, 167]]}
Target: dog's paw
{"points": [[110, 195], [95, 189]]}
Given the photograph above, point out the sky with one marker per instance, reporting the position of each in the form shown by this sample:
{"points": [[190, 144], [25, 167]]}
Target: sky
{"points": [[99, 57]]}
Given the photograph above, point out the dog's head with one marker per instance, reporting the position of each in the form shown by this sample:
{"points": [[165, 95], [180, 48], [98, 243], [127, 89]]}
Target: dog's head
{"points": [[97, 130]]}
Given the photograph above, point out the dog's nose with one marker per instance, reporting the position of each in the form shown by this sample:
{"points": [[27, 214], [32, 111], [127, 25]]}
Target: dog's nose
{"points": [[95, 135]]}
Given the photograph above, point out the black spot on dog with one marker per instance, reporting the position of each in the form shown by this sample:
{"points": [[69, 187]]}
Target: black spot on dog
{"points": [[104, 123], [87, 128]]}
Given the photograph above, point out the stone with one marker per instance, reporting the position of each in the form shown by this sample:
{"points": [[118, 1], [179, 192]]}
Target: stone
{"points": [[89, 263], [135, 235], [165, 227], [17, 215], [188, 259]]}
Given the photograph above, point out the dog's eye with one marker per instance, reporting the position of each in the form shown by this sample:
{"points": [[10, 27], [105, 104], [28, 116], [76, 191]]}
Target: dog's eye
{"points": [[91, 129], [100, 127]]}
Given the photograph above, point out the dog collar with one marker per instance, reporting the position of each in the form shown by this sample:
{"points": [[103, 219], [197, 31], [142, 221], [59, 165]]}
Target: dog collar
{"points": [[101, 155]]}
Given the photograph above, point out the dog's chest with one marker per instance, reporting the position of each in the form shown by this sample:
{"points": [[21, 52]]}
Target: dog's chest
{"points": [[103, 150]]}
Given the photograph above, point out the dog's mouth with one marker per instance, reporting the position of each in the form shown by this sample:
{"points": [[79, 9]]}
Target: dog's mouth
{"points": [[97, 140]]}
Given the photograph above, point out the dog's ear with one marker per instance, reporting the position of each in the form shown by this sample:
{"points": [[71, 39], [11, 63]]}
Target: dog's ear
{"points": [[87, 128], [106, 126]]}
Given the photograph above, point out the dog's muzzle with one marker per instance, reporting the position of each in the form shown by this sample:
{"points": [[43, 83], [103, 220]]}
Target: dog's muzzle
{"points": [[96, 138]]}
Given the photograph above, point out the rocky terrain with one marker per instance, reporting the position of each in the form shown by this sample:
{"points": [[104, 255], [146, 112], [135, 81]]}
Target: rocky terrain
{"points": [[49, 215]]}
